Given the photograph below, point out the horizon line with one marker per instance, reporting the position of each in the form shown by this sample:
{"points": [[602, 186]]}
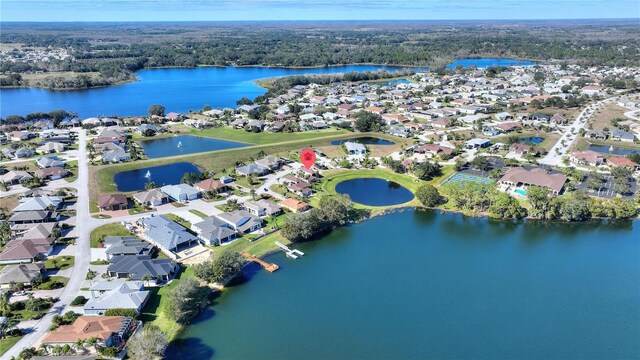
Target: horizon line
{"points": [[316, 20]]}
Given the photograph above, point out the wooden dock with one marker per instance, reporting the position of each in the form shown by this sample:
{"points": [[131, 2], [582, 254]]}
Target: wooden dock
{"points": [[270, 267], [292, 253]]}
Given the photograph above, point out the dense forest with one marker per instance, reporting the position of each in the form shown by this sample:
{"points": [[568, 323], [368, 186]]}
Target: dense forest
{"points": [[117, 50]]}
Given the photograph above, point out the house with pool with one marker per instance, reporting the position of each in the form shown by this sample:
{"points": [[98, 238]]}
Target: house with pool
{"points": [[518, 179]]}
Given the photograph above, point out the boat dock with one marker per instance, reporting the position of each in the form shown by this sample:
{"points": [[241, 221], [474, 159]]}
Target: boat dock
{"points": [[270, 267], [292, 253]]}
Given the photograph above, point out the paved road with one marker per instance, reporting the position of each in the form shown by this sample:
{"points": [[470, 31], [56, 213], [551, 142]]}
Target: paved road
{"points": [[555, 155], [84, 225]]}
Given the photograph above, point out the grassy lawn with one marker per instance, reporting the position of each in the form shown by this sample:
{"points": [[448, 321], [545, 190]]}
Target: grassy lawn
{"points": [[59, 263], [99, 262], [72, 166], [244, 182], [7, 342], [9, 202], [153, 309], [231, 134], [198, 213], [101, 232], [52, 279], [179, 220], [260, 247], [602, 118]]}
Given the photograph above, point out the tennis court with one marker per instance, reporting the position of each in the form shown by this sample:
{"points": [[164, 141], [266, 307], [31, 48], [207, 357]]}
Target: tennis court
{"points": [[459, 177]]}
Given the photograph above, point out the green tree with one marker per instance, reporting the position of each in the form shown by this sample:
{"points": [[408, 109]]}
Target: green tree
{"points": [[480, 163], [147, 344], [156, 109], [367, 121], [150, 185], [186, 300], [506, 207], [226, 266], [204, 270], [429, 196]]}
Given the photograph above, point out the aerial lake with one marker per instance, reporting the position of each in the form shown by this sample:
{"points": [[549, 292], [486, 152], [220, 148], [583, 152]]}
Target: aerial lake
{"points": [[178, 89], [170, 174], [427, 285], [183, 145], [616, 150], [531, 139], [366, 140], [374, 191]]}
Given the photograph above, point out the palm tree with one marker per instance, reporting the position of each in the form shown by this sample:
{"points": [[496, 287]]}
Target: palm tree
{"points": [[92, 341], [79, 344], [44, 347], [146, 279]]}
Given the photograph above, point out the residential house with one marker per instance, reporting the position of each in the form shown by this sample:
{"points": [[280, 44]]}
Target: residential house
{"points": [[621, 161], [518, 150], [270, 162], [20, 274], [434, 150], [116, 294], [524, 177], [241, 221], [107, 330], [595, 134], [208, 185], [39, 203], [14, 177], [25, 251], [477, 143], [213, 231], [33, 217], [621, 135], [49, 161], [23, 153], [587, 157], [294, 205], [142, 267], [126, 245], [354, 148], [115, 154], [400, 131], [153, 197], [21, 136], [262, 208], [52, 173], [50, 147], [508, 127], [181, 192], [166, 234], [253, 168], [113, 202]]}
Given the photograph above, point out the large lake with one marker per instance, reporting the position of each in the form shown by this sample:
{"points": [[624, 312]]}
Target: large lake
{"points": [[179, 90], [418, 284], [184, 144]]}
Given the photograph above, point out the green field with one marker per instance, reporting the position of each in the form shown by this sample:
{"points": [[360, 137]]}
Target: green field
{"points": [[263, 138], [115, 229], [59, 263], [7, 342]]}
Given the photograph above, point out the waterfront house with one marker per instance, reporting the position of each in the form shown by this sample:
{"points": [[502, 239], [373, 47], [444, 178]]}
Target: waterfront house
{"points": [[115, 154], [621, 135], [253, 168], [181, 192], [112, 202], [207, 185], [294, 205], [153, 197], [116, 294], [399, 131], [213, 231], [20, 275], [140, 267], [523, 177], [621, 161], [354, 148], [241, 221]]}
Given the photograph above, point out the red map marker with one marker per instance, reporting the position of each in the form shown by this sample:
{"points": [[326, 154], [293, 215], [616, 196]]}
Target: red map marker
{"points": [[308, 157]]}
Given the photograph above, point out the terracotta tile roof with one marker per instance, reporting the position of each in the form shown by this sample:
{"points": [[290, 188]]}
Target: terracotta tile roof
{"points": [[85, 327], [110, 200]]}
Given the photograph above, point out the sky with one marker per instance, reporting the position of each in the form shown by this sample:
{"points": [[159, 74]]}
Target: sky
{"points": [[239, 10]]}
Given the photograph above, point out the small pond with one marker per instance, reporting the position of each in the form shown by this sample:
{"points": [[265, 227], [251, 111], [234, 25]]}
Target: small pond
{"points": [[184, 145], [374, 192], [134, 180], [612, 150], [531, 139], [366, 140]]}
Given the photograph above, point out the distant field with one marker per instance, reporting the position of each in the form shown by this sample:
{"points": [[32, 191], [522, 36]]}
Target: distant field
{"points": [[64, 74], [604, 115], [263, 138]]}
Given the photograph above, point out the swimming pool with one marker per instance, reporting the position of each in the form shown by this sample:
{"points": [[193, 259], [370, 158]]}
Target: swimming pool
{"points": [[522, 192]]}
